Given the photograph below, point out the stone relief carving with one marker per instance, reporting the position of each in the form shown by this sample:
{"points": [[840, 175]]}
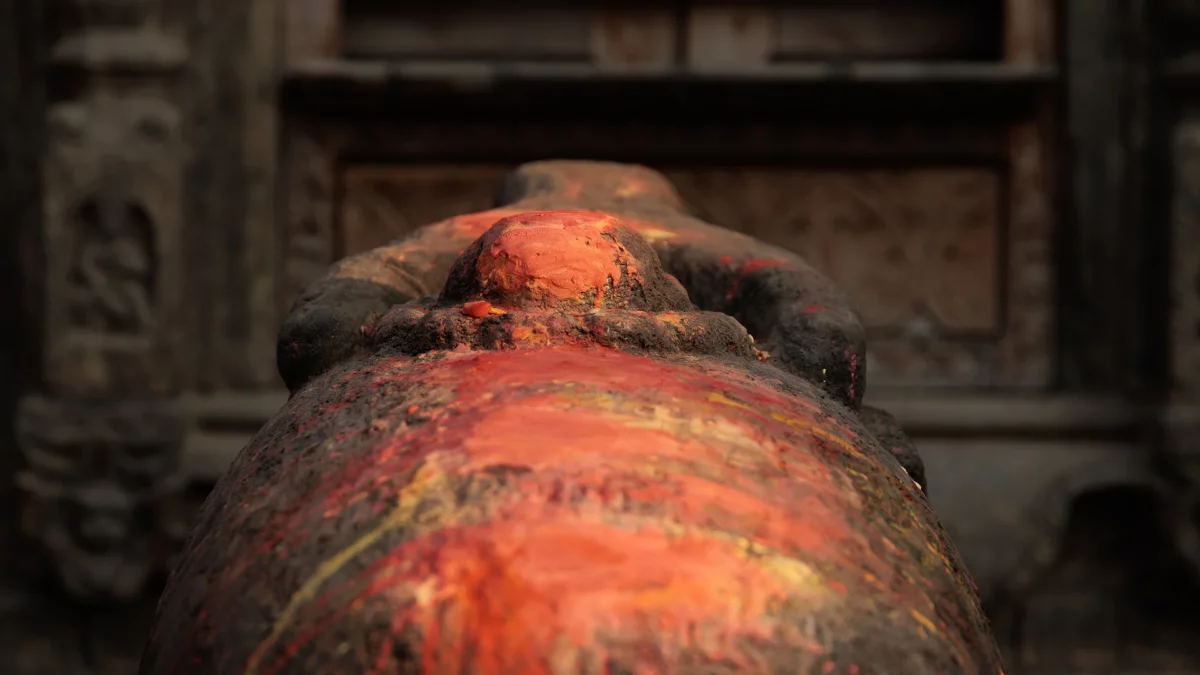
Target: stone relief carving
{"points": [[112, 273], [112, 224], [99, 491], [101, 440]]}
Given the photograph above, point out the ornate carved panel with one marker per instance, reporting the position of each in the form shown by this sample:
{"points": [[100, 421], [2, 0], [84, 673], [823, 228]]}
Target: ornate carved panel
{"points": [[112, 209], [100, 490], [101, 440], [926, 252]]}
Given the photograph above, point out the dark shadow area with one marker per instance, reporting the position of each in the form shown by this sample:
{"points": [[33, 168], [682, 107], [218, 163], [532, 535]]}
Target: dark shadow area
{"points": [[1119, 596]]}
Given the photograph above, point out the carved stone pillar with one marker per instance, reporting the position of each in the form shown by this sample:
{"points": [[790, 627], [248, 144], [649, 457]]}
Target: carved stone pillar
{"points": [[101, 440]]}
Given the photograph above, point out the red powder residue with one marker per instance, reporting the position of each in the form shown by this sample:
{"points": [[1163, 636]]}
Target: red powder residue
{"points": [[753, 265], [522, 595], [545, 434], [852, 358], [530, 335], [617, 371], [476, 378], [750, 267], [557, 255], [477, 309]]}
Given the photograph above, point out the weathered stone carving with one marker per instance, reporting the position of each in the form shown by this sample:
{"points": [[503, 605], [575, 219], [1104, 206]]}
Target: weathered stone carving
{"points": [[101, 442], [112, 275], [99, 491], [113, 190], [560, 464]]}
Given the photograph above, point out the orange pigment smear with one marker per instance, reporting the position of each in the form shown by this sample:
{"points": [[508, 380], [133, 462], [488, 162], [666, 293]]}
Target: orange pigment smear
{"points": [[560, 254], [801, 513], [477, 309], [525, 595], [630, 526]]}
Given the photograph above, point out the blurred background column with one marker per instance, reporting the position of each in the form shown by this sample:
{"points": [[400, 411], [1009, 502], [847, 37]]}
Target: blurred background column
{"points": [[128, 147]]}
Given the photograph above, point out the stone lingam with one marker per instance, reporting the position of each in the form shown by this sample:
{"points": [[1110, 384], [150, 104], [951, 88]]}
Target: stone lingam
{"points": [[583, 432]]}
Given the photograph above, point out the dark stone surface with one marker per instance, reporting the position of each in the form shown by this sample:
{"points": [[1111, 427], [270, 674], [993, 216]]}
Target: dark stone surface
{"points": [[559, 466]]}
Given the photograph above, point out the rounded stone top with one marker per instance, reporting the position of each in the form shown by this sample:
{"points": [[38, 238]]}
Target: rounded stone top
{"points": [[561, 278], [565, 260]]}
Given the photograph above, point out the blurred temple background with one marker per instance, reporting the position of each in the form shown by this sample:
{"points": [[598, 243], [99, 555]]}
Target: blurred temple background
{"points": [[1010, 190]]}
